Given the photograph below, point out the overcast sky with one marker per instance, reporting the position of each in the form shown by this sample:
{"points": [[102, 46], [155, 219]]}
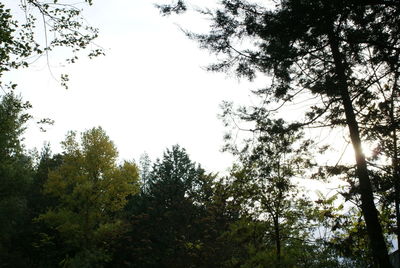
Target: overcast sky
{"points": [[149, 92]]}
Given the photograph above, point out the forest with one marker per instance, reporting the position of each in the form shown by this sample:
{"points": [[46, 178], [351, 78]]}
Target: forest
{"points": [[85, 207]]}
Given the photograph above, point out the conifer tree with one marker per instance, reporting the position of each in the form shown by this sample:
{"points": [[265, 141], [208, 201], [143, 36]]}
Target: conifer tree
{"points": [[332, 51]]}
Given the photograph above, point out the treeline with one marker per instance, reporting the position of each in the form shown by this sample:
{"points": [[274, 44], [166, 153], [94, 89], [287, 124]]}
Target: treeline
{"points": [[339, 60], [336, 63], [82, 208]]}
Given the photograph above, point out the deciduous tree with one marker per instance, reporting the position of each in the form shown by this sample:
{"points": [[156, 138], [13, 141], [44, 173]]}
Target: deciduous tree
{"points": [[92, 189]]}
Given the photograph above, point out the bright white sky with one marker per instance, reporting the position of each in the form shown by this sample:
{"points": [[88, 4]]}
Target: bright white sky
{"points": [[149, 92]]}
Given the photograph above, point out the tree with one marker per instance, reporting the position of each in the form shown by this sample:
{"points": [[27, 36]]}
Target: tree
{"points": [[45, 246], [145, 169], [16, 170], [165, 227], [220, 211], [382, 121], [91, 190], [274, 213], [326, 49], [61, 24]]}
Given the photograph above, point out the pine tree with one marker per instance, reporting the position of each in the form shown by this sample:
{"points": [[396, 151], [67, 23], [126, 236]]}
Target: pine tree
{"points": [[332, 51]]}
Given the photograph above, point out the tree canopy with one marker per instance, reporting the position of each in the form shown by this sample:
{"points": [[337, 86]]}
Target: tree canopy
{"points": [[86, 207], [90, 188], [331, 50]]}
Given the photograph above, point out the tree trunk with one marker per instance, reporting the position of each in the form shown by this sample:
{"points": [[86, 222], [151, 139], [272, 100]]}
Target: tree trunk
{"points": [[395, 164], [368, 208], [277, 241]]}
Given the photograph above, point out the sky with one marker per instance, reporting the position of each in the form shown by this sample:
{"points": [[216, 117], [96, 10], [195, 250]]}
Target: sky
{"points": [[149, 92]]}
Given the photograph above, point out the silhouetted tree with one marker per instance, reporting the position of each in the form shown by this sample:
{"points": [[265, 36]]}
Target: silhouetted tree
{"points": [[326, 49]]}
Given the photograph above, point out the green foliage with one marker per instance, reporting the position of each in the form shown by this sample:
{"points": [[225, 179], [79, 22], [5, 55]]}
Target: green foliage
{"points": [[13, 119], [175, 174], [169, 219], [181, 218], [15, 179], [276, 220], [344, 54], [91, 190], [329, 51], [60, 22]]}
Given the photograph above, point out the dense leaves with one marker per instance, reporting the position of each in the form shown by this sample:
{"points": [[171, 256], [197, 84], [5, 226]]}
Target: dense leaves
{"points": [[91, 189], [81, 208], [15, 179]]}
